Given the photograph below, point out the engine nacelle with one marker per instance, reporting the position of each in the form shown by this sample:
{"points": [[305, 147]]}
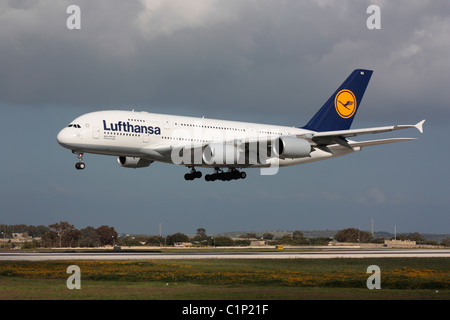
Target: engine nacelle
{"points": [[133, 162], [291, 147], [219, 153]]}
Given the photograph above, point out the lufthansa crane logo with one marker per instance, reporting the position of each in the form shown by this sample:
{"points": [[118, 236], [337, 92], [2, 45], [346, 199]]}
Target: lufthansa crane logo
{"points": [[345, 103]]}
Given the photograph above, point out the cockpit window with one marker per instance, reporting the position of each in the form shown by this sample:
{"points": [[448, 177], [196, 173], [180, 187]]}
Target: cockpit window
{"points": [[74, 125]]}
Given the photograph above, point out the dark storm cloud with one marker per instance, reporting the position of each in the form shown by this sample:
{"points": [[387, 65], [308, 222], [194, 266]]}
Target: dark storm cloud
{"points": [[268, 61], [263, 56]]}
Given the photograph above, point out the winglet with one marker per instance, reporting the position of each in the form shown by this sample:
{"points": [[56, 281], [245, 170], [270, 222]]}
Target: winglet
{"points": [[419, 126]]}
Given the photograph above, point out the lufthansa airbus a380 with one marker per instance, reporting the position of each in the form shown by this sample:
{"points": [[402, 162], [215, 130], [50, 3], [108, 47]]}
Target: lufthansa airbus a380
{"points": [[139, 138]]}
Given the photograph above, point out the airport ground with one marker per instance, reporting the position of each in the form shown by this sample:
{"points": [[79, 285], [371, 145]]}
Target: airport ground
{"points": [[55, 289], [411, 274]]}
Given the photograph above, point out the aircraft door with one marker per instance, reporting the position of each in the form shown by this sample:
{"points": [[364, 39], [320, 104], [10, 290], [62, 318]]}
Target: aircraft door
{"points": [[96, 133]]}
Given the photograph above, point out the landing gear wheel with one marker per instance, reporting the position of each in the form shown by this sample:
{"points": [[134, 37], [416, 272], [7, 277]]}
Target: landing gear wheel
{"points": [[80, 165], [219, 174], [192, 175]]}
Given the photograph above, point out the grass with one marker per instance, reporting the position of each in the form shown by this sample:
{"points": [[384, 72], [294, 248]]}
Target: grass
{"points": [[53, 289], [401, 278]]}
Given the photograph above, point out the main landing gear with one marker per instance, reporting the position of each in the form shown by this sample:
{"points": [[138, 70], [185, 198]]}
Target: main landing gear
{"points": [[80, 164], [219, 174], [194, 174]]}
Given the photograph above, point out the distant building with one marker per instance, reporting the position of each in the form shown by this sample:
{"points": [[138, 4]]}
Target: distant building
{"points": [[400, 243], [255, 243], [182, 244]]}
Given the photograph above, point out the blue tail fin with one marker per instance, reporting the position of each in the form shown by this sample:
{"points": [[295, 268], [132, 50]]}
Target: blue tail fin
{"points": [[340, 109]]}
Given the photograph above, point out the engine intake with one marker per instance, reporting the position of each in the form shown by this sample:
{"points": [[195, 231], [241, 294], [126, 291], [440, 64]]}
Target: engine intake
{"points": [[133, 162], [291, 147]]}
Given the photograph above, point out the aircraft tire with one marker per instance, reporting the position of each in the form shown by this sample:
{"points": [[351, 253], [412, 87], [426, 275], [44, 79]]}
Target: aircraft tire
{"points": [[80, 165]]}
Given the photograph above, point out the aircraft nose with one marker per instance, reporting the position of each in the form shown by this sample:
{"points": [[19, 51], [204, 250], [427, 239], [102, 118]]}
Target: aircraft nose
{"points": [[63, 137]]}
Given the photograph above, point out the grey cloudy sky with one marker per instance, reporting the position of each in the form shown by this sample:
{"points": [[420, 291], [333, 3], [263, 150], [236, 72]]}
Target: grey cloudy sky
{"points": [[262, 61]]}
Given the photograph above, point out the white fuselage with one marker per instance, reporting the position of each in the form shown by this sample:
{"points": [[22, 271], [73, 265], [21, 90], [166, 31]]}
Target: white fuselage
{"points": [[141, 134]]}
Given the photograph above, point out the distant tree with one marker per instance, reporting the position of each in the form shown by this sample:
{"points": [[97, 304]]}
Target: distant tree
{"points": [[223, 241], [446, 242], [413, 237], [323, 241], [177, 237], [268, 236], [286, 239], [106, 235], [32, 231], [61, 234], [352, 235], [129, 241], [50, 239], [201, 232], [71, 238], [154, 241], [29, 245], [297, 235], [365, 236], [201, 235], [241, 242], [89, 237], [38, 231]]}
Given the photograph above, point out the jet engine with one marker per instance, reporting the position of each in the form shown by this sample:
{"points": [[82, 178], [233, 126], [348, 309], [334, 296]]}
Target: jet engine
{"points": [[133, 162], [219, 153], [291, 147]]}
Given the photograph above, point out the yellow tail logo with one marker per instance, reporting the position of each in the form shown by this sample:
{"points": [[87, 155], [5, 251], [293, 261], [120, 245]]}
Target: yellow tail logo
{"points": [[345, 103]]}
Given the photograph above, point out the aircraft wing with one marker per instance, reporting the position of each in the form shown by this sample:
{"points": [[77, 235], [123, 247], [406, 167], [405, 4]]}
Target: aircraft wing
{"points": [[330, 137], [318, 139]]}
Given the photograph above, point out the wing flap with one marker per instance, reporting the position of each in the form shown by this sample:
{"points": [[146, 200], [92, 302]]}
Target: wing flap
{"points": [[355, 144]]}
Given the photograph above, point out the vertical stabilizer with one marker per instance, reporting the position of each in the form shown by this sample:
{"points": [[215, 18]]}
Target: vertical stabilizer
{"points": [[340, 109]]}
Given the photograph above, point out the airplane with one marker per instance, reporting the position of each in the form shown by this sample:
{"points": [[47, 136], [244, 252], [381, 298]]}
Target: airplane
{"points": [[138, 139]]}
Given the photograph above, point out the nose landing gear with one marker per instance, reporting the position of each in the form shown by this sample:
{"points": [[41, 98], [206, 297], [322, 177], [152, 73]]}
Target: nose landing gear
{"points": [[80, 164]]}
